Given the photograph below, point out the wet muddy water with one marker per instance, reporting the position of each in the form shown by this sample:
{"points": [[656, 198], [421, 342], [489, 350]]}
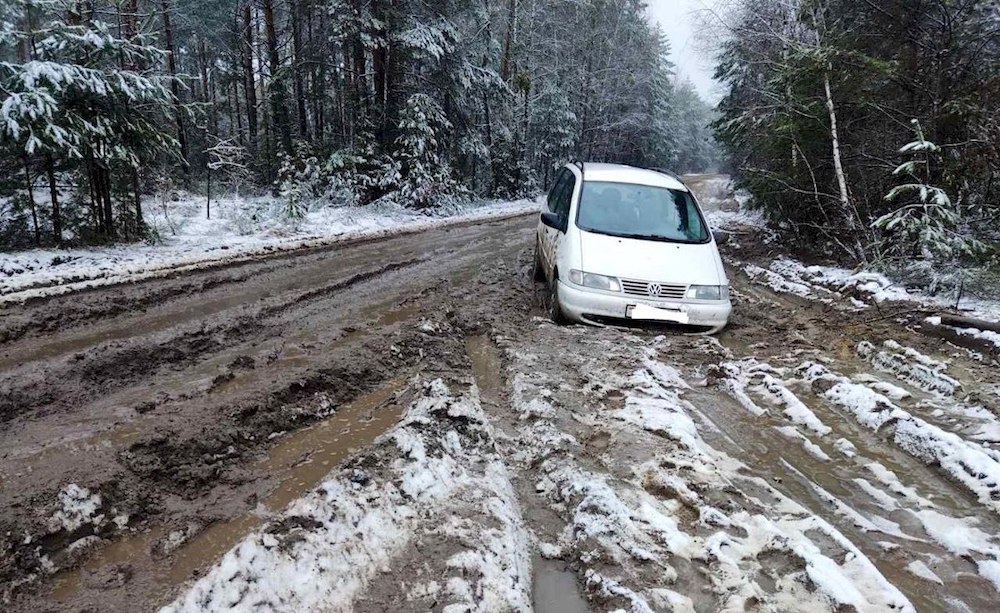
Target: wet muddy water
{"points": [[298, 461]]}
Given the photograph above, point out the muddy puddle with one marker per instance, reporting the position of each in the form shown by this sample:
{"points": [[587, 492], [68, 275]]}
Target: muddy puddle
{"points": [[486, 368], [555, 589], [300, 460]]}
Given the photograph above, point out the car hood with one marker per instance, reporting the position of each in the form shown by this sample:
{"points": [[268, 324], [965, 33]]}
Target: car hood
{"points": [[646, 260]]}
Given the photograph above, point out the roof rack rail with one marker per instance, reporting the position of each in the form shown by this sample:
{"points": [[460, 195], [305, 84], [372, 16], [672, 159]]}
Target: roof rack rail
{"points": [[664, 171], [577, 163]]}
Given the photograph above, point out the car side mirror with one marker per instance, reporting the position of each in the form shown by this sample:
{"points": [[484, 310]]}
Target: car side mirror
{"points": [[721, 237], [553, 220]]}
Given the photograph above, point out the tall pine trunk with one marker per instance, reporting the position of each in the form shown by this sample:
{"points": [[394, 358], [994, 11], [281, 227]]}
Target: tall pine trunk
{"points": [[175, 88], [140, 223], [295, 7], [249, 83], [508, 41], [279, 110], [28, 184]]}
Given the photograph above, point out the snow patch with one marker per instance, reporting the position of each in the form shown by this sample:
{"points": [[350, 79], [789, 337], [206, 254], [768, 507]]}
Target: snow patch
{"points": [[910, 365], [749, 375], [77, 506], [239, 231], [324, 549], [919, 569], [969, 463]]}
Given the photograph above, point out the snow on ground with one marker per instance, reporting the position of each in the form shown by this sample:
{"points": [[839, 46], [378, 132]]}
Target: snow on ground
{"points": [[860, 288], [826, 283], [988, 336], [749, 375], [683, 516], [239, 229], [909, 365], [976, 421], [437, 478], [77, 506], [970, 463], [966, 461]]}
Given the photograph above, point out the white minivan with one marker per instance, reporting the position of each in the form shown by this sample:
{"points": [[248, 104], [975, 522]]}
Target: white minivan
{"points": [[619, 244]]}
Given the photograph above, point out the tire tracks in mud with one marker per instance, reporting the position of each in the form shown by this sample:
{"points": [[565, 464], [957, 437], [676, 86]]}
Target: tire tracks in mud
{"points": [[108, 367], [260, 371], [583, 438]]}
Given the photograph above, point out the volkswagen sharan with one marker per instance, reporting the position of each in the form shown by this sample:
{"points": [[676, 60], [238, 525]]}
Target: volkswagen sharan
{"points": [[618, 244]]}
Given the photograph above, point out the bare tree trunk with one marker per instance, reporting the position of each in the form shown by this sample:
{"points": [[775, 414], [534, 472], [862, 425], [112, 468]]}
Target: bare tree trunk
{"points": [[319, 76], [96, 211], [508, 42], [838, 168], [175, 89], [28, 184], [360, 81], [380, 58], [208, 194], [207, 86], [235, 112], [140, 223], [50, 169], [104, 190]]}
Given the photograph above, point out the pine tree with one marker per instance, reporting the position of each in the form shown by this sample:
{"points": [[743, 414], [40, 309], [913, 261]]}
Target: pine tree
{"points": [[926, 222], [71, 103]]}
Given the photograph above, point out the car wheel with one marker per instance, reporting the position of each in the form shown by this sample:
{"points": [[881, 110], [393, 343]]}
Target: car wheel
{"points": [[538, 273], [555, 309]]}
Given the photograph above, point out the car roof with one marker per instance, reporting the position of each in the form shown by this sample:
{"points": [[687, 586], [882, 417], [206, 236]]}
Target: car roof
{"points": [[619, 173]]}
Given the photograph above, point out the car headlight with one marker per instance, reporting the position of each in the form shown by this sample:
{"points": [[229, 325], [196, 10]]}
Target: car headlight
{"points": [[589, 279], [708, 292]]}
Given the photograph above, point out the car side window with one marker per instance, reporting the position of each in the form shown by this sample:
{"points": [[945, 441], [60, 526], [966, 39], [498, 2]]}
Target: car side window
{"points": [[566, 195], [557, 190]]}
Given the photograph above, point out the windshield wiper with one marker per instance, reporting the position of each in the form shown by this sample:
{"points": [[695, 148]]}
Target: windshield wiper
{"points": [[646, 237], [655, 237]]}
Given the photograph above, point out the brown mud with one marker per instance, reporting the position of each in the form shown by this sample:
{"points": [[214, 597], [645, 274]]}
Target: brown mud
{"points": [[199, 406]]}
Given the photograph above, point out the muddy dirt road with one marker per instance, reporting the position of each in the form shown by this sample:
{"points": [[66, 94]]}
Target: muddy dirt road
{"points": [[392, 426]]}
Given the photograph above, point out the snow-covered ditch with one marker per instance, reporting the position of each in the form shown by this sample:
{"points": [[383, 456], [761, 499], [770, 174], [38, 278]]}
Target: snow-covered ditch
{"points": [[239, 229], [435, 478], [860, 289], [987, 336]]}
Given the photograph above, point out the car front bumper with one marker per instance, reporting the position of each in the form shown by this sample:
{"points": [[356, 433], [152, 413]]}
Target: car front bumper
{"points": [[591, 307]]}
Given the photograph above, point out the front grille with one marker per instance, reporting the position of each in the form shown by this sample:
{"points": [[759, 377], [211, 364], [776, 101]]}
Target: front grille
{"points": [[671, 291]]}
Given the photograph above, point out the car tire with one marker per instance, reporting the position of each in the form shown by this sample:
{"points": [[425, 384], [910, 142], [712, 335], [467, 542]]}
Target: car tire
{"points": [[555, 309], [538, 273]]}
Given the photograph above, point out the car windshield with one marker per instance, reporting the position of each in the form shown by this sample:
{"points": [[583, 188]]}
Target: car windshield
{"points": [[640, 211]]}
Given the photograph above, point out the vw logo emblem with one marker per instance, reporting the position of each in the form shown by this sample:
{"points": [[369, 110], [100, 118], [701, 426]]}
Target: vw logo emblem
{"points": [[653, 289]]}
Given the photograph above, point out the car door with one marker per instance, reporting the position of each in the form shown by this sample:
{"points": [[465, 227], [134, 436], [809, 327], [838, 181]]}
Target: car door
{"points": [[547, 235], [562, 206]]}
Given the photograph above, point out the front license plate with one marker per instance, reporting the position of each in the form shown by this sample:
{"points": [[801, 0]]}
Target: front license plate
{"points": [[650, 313]]}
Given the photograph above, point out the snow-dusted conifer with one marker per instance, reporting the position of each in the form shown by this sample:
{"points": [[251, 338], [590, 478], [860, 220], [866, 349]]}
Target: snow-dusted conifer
{"points": [[80, 100], [926, 221]]}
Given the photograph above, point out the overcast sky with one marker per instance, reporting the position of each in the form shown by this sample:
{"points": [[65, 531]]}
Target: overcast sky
{"points": [[675, 17]]}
